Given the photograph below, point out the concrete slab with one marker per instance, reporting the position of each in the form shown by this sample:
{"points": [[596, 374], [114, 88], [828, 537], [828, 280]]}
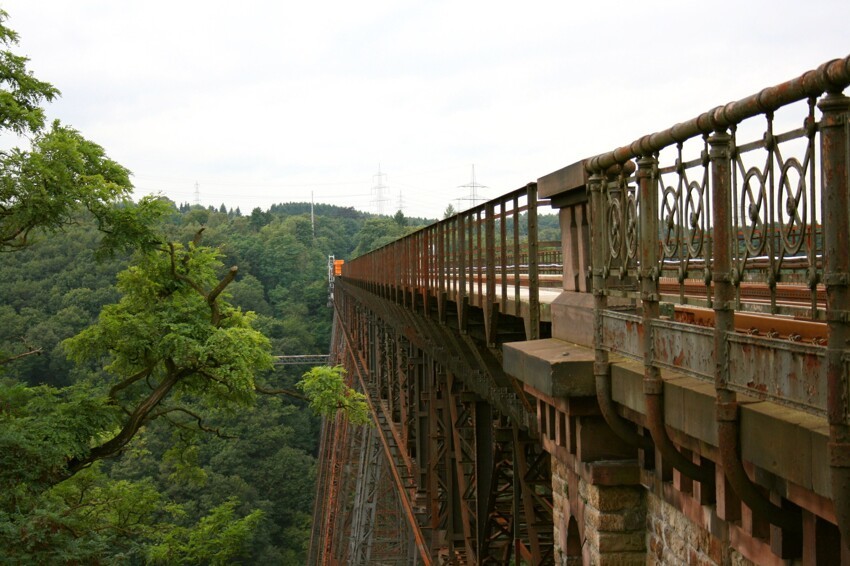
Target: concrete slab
{"points": [[554, 367], [689, 406], [572, 318], [627, 385], [780, 440]]}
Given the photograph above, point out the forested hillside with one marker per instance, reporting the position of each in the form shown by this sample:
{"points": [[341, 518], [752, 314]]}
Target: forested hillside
{"points": [[239, 483]]}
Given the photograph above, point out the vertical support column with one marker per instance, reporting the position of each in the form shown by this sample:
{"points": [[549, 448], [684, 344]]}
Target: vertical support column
{"points": [[479, 263], [517, 258], [503, 251], [483, 468], [653, 385], [835, 152], [427, 271], [724, 290], [571, 248], [461, 418], [442, 253], [601, 366]]}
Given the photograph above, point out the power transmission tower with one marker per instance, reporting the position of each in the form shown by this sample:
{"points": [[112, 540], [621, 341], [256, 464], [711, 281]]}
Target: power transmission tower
{"points": [[197, 194], [379, 185], [473, 187]]}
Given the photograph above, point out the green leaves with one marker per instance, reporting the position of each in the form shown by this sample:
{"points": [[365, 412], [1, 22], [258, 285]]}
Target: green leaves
{"points": [[21, 94], [40, 428], [63, 174], [328, 393], [218, 538]]}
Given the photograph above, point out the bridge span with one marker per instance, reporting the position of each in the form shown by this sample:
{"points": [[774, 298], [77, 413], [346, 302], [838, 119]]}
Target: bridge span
{"points": [[666, 384]]}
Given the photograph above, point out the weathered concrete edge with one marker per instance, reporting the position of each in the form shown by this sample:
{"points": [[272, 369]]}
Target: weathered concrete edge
{"points": [[789, 443], [552, 366]]}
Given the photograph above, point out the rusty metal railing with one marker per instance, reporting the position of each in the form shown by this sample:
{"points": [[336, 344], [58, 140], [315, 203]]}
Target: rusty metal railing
{"points": [[748, 196], [724, 211], [773, 207], [488, 256]]}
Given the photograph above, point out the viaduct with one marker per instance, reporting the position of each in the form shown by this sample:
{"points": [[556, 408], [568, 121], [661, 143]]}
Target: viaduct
{"points": [[667, 383]]}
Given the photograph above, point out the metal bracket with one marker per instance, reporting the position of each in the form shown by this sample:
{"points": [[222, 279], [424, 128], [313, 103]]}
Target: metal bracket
{"points": [[727, 411], [601, 368], [653, 386], [839, 454]]}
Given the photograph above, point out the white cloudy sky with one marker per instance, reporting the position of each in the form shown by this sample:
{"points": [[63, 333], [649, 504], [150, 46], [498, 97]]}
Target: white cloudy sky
{"points": [[263, 101]]}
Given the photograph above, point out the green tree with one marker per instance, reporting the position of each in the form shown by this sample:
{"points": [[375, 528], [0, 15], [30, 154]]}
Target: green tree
{"points": [[172, 344], [328, 393], [170, 360], [377, 232], [21, 94], [218, 538], [62, 173]]}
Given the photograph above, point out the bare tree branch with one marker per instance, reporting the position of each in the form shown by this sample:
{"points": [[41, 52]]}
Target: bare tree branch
{"points": [[113, 392], [287, 392], [134, 422], [11, 359], [200, 421]]}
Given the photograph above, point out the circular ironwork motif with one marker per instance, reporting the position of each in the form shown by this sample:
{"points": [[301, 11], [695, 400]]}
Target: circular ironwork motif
{"points": [[694, 212], [670, 218], [631, 226], [792, 218], [754, 212], [615, 237]]}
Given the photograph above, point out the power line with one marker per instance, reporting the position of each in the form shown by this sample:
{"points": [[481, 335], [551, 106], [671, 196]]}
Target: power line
{"points": [[379, 181], [473, 187]]}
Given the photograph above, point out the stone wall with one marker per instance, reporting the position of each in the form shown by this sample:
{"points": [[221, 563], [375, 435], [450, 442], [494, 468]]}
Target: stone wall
{"points": [[610, 521], [673, 539]]}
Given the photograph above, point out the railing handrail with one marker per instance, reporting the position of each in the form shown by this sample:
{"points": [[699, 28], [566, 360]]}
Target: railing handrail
{"points": [[832, 76]]}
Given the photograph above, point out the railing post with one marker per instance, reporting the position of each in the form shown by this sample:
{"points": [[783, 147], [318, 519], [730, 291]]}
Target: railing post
{"points": [[427, 271], [648, 274], [517, 255], [599, 275], [835, 152], [728, 428], [491, 308], [461, 289], [443, 251], [533, 277]]}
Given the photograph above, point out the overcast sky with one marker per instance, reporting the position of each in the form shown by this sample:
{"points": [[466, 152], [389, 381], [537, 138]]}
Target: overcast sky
{"points": [[263, 101]]}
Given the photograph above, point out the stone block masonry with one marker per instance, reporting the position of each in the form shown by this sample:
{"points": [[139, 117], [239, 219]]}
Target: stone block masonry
{"points": [[608, 522]]}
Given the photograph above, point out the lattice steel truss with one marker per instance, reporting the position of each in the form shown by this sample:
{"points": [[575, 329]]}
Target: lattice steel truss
{"points": [[447, 475]]}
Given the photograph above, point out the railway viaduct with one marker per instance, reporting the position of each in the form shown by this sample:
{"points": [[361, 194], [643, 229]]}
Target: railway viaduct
{"points": [[665, 384]]}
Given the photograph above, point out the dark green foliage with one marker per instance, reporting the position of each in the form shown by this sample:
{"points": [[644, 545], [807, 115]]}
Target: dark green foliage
{"points": [[265, 456], [154, 448]]}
